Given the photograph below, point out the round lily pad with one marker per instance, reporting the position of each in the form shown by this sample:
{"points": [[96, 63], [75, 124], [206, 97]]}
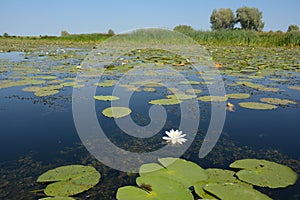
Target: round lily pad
{"points": [[31, 89], [185, 172], [238, 96], [277, 101], [181, 96], [229, 191], [294, 87], [212, 98], [43, 93], [69, 180], [193, 91], [106, 98], [264, 173], [57, 198], [257, 106], [216, 176], [155, 188], [116, 112], [149, 89], [171, 101]]}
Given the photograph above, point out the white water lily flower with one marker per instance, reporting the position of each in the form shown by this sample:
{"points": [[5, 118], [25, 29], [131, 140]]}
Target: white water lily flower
{"points": [[175, 137]]}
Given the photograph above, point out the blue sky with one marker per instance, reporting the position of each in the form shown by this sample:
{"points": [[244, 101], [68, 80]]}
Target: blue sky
{"points": [[49, 17]]}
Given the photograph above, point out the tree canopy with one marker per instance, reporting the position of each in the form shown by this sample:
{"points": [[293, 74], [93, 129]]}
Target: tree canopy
{"points": [[250, 18], [222, 19], [293, 27]]}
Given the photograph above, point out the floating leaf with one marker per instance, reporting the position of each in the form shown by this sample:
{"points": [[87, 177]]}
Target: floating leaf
{"points": [[277, 101], [149, 89], [238, 96], [294, 87], [116, 112], [155, 188], [69, 180], [217, 176], [189, 83], [49, 77], [31, 89], [229, 191], [57, 198], [165, 101], [264, 173], [193, 91], [212, 98], [106, 83], [106, 98], [257, 106], [177, 169], [43, 93], [181, 96]]}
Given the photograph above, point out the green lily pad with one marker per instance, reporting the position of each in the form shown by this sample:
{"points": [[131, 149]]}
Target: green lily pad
{"points": [[106, 98], [193, 91], [238, 96], [106, 83], [257, 106], [185, 172], [171, 101], [116, 112], [229, 191], [264, 173], [294, 87], [43, 93], [181, 96], [277, 101], [212, 98], [155, 188], [257, 86], [149, 89], [68, 84], [69, 180], [217, 176], [57, 198], [190, 83], [31, 89], [46, 77]]}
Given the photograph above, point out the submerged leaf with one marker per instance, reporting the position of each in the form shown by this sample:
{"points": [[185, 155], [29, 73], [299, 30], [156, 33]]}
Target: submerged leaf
{"points": [[257, 106], [116, 112], [264, 173]]}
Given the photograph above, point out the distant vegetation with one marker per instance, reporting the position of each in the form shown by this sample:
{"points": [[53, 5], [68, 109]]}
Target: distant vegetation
{"points": [[242, 28]]}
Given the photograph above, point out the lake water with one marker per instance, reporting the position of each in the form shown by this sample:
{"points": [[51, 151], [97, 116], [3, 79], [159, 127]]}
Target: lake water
{"points": [[38, 133]]}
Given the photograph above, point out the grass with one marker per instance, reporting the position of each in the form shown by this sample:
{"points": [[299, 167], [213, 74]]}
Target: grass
{"points": [[209, 38], [246, 38]]}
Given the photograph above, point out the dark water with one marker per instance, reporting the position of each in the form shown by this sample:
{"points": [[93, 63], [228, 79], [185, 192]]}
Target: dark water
{"points": [[38, 133]]}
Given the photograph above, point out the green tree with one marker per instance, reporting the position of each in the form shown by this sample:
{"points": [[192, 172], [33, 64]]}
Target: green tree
{"points": [[185, 29], [5, 35], [250, 18], [111, 32], [222, 19], [293, 27], [64, 33]]}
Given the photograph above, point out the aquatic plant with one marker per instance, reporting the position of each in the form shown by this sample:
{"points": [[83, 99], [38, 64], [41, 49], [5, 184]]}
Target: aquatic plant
{"points": [[257, 106], [116, 112], [69, 180], [175, 137], [177, 176]]}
